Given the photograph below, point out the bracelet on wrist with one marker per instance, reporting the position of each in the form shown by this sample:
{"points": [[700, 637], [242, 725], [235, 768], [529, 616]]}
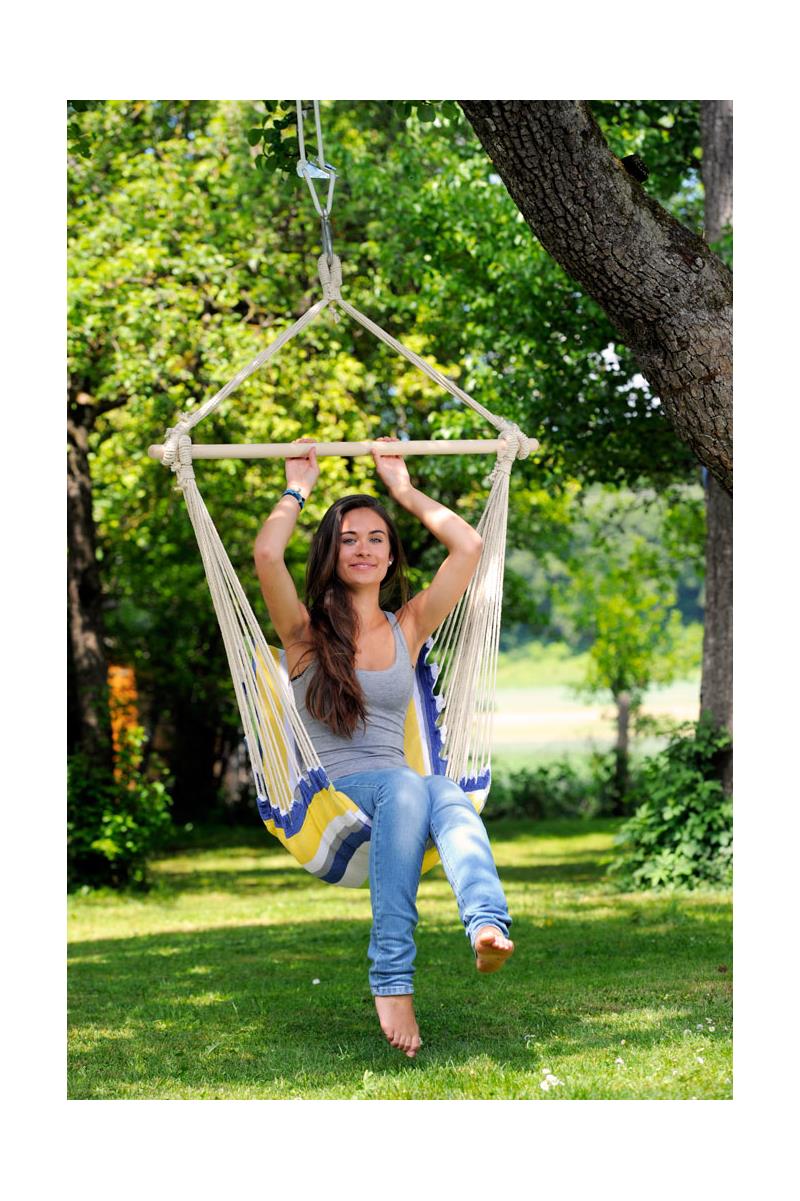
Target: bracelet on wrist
{"points": [[298, 496]]}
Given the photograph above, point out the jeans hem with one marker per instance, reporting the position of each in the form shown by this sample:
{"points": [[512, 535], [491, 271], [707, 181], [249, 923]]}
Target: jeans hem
{"points": [[404, 990], [475, 926]]}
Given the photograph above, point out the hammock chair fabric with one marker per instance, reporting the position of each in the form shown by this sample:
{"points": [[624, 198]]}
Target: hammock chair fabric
{"points": [[325, 831], [449, 720]]}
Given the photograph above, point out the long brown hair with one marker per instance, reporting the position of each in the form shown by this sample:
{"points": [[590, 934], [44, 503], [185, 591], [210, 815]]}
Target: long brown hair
{"points": [[334, 695]]}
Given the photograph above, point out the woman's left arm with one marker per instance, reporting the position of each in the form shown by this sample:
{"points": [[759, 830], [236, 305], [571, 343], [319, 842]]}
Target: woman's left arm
{"points": [[429, 608]]}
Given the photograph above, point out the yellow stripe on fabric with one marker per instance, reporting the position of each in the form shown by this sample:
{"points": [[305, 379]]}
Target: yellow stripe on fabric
{"points": [[272, 709], [412, 740], [325, 806]]}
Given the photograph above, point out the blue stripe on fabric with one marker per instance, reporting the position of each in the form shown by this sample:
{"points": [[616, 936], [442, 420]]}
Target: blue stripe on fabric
{"points": [[291, 822], [344, 853], [477, 783], [315, 781], [426, 682]]}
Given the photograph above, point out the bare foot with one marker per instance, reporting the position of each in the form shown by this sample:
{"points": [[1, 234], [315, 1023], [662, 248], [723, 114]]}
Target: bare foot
{"points": [[398, 1022], [492, 949]]}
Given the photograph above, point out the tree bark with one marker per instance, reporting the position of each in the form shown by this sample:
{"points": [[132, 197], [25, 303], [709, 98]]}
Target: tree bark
{"points": [[621, 751], [716, 690], [716, 135], [664, 290], [90, 729]]}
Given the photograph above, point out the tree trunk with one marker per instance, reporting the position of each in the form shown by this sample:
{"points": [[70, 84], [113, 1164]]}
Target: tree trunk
{"points": [[716, 134], [661, 286], [716, 690], [194, 758], [621, 752], [88, 676]]}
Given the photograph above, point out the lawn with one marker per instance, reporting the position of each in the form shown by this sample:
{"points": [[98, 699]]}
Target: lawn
{"points": [[239, 976]]}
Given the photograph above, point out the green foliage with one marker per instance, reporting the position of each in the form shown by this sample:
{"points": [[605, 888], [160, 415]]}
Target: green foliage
{"points": [[185, 262], [115, 823], [554, 790], [724, 246], [78, 140], [666, 135], [680, 836], [616, 590]]}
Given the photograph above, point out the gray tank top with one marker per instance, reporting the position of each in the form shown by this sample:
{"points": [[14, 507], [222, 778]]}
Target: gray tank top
{"points": [[377, 746]]}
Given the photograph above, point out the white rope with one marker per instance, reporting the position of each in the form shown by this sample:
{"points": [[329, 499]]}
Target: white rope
{"points": [[306, 169], [465, 645], [188, 421]]}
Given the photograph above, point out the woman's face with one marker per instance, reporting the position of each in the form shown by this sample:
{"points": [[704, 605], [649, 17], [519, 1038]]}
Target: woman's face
{"points": [[364, 548]]}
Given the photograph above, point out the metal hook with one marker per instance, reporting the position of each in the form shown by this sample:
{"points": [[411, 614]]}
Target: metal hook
{"points": [[315, 171]]}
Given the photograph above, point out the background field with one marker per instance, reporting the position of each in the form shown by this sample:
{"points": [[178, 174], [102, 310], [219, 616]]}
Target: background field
{"points": [[540, 716]]}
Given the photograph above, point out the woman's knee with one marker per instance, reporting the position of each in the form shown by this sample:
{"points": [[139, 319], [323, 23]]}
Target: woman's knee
{"points": [[403, 788], [444, 791]]}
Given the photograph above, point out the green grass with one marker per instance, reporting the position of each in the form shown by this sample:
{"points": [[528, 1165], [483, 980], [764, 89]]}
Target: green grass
{"points": [[203, 988], [540, 664]]}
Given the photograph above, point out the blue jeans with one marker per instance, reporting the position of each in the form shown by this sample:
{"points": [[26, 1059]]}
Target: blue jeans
{"points": [[406, 809]]}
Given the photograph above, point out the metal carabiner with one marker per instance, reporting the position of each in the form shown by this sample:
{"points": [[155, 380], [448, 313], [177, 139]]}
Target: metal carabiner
{"points": [[319, 170]]}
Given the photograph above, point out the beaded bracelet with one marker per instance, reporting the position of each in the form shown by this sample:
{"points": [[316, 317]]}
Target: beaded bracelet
{"points": [[297, 495]]}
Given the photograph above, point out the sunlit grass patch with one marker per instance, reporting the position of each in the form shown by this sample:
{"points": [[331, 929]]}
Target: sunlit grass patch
{"points": [[239, 976]]}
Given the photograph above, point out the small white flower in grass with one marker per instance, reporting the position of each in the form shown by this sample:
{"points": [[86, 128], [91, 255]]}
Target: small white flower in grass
{"points": [[618, 1060], [687, 1032], [699, 1059], [699, 1026], [315, 981], [545, 1071], [545, 1084], [622, 1042]]}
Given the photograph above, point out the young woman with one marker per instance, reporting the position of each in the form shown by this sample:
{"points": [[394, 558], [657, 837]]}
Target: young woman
{"points": [[352, 665]]}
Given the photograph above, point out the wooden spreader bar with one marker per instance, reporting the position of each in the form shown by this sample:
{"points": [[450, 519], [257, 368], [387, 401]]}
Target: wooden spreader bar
{"points": [[296, 450]]}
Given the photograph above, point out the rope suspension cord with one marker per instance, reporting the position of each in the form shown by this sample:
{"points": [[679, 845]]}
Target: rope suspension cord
{"points": [[461, 684], [321, 170], [331, 278]]}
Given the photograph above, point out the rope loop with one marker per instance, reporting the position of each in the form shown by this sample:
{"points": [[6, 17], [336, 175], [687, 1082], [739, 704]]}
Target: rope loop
{"points": [[174, 433], [513, 445], [330, 276], [182, 466], [518, 445]]}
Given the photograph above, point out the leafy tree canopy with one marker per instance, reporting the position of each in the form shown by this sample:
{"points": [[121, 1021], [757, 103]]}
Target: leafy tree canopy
{"points": [[188, 254]]}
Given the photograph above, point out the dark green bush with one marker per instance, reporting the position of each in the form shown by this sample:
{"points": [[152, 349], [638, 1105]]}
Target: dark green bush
{"points": [[114, 823], [680, 835], [551, 791]]}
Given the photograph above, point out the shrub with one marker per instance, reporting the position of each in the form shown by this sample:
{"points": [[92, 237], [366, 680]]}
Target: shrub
{"points": [[680, 835], [551, 791], [114, 822]]}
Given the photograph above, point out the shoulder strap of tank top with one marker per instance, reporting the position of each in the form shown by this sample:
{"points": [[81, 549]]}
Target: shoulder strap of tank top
{"points": [[399, 636]]}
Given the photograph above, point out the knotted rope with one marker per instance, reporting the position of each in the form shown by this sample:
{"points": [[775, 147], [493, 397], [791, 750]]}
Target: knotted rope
{"points": [[513, 445], [174, 434], [330, 276]]}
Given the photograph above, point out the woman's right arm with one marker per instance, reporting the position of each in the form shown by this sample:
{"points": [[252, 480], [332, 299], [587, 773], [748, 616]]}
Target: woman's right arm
{"points": [[288, 614]]}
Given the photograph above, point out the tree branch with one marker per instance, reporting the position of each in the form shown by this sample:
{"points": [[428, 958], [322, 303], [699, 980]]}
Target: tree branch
{"points": [[665, 291]]}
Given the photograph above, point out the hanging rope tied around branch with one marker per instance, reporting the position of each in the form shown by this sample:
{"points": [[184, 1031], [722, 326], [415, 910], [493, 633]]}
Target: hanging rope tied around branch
{"points": [[453, 701]]}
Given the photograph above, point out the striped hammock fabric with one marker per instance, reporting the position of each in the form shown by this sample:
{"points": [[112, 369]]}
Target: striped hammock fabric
{"points": [[323, 829]]}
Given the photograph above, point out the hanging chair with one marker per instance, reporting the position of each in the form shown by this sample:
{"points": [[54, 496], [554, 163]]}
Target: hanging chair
{"points": [[448, 727]]}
